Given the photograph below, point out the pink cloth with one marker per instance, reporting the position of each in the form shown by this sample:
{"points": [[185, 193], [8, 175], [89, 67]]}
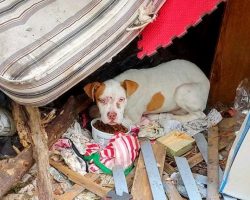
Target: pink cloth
{"points": [[174, 18], [121, 150], [61, 144]]}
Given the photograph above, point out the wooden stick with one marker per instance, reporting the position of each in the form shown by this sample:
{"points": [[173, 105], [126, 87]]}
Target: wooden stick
{"points": [[168, 168], [194, 160], [40, 154], [71, 194], [12, 170], [81, 180], [75, 190], [197, 158], [21, 124], [141, 188], [213, 165], [57, 127]]}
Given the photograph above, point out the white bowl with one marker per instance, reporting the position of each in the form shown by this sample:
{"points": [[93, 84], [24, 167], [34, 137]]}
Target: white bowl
{"points": [[102, 137]]}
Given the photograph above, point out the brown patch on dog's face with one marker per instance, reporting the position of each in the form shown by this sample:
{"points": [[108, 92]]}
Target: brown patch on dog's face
{"points": [[99, 91], [156, 102], [94, 90]]}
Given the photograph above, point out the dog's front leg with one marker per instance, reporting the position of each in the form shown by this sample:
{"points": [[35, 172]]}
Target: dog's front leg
{"points": [[134, 114], [188, 117]]}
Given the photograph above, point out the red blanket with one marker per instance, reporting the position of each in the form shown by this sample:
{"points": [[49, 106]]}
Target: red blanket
{"points": [[174, 18]]}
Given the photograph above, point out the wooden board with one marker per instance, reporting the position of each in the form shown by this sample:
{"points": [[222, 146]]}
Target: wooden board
{"points": [[81, 180], [40, 153], [232, 60], [172, 192], [141, 189], [75, 190], [213, 165], [203, 148]]}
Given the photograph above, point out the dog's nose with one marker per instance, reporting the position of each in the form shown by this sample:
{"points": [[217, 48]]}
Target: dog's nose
{"points": [[112, 115]]}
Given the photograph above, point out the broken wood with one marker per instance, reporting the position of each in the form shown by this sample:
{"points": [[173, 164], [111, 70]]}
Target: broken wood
{"points": [[168, 168], [75, 190], [213, 165], [10, 179], [81, 180], [40, 154], [72, 193], [141, 188], [171, 190], [62, 122], [21, 124], [194, 160], [13, 169], [197, 158]]}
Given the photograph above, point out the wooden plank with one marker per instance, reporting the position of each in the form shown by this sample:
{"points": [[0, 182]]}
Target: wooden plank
{"points": [[213, 165], [141, 188], [197, 158], [21, 124], [75, 190], [168, 168], [40, 154], [81, 180], [25, 160], [13, 169], [232, 60], [170, 188], [71, 194], [203, 147], [153, 174], [187, 178]]}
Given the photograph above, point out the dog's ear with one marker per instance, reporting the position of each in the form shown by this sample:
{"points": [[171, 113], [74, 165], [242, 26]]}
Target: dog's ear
{"points": [[130, 87], [91, 88]]}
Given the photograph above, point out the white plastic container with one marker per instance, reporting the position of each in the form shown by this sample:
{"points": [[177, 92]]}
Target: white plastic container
{"points": [[102, 137]]}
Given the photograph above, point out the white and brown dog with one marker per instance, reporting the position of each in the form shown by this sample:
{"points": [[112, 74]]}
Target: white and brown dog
{"points": [[175, 86]]}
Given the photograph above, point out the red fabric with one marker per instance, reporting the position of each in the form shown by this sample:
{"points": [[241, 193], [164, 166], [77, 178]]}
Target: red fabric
{"points": [[173, 20], [121, 150]]}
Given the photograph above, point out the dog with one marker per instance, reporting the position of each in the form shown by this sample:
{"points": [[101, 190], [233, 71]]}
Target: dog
{"points": [[178, 87]]}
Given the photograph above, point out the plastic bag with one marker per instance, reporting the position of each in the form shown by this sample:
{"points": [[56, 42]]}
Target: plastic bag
{"points": [[242, 100]]}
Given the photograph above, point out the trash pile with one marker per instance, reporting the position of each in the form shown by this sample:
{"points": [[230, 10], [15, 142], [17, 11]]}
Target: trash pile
{"points": [[160, 156]]}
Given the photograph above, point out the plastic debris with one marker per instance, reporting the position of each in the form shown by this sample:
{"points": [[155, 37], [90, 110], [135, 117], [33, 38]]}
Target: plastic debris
{"points": [[7, 126], [199, 179]]}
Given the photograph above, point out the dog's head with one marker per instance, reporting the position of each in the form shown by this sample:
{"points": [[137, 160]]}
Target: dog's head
{"points": [[111, 98]]}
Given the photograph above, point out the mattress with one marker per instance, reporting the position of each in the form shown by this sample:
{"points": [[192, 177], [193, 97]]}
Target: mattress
{"points": [[48, 46]]}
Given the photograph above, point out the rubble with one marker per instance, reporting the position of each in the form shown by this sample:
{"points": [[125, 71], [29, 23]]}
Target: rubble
{"points": [[80, 184]]}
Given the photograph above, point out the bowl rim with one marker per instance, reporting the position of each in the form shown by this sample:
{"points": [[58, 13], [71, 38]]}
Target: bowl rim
{"points": [[95, 119]]}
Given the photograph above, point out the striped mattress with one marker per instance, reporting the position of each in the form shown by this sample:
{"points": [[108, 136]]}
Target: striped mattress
{"points": [[48, 46]]}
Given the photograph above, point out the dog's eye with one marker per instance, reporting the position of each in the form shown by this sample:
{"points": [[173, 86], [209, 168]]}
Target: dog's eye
{"points": [[104, 101], [121, 99]]}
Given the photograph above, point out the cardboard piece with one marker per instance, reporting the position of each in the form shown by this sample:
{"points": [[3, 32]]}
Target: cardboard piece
{"points": [[177, 143]]}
